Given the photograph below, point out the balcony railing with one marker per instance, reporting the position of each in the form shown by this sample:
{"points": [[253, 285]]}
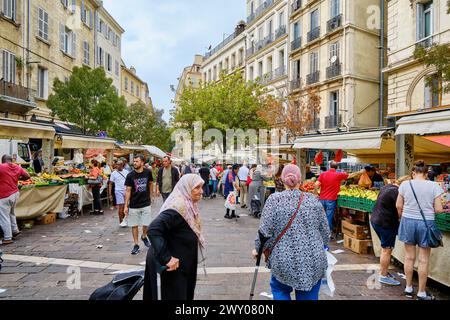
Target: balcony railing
{"points": [[334, 70], [268, 40], [280, 72], [314, 34], [334, 23], [295, 84], [250, 51], [266, 78], [280, 32], [425, 42], [259, 11], [16, 91], [333, 121], [315, 124], [296, 44], [313, 77], [260, 44], [221, 45], [296, 6]]}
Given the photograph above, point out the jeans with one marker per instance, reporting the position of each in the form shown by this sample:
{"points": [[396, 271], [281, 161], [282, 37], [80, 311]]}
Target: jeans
{"points": [[8, 221], [330, 207], [215, 183], [281, 291], [206, 189], [96, 194]]}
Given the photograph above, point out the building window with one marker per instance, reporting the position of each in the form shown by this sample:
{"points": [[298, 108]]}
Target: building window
{"points": [[296, 30], [108, 62], [251, 73], [132, 86], [42, 83], [9, 67], [296, 69], [86, 53], [215, 73], [43, 24], [65, 3], [100, 56], [137, 91], [432, 95], [109, 34], [281, 19], [260, 69], [334, 8], [117, 68], [126, 83], [209, 75], [10, 9], [334, 104], [68, 40], [314, 19], [313, 62], [334, 52], [425, 22]]}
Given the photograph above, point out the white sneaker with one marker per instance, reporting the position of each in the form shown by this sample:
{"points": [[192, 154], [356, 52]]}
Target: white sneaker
{"points": [[123, 224]]}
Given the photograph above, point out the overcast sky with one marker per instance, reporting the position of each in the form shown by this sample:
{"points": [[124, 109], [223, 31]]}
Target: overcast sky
{"points": [[162, 36]]}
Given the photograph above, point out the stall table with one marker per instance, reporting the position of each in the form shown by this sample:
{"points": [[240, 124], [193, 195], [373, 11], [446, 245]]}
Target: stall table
{"points": [[37, 201]]}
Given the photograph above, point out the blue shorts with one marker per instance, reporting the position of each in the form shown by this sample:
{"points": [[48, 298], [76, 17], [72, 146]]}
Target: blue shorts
{"points": [[387, 236], [414, 232]]}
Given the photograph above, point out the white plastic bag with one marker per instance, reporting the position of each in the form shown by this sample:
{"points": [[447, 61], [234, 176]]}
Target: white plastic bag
{"points": [[327, 286]]}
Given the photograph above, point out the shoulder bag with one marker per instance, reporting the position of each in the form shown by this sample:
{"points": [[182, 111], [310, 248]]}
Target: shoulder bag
{"points": [[268, 251], [434, 237], [94, 182]]}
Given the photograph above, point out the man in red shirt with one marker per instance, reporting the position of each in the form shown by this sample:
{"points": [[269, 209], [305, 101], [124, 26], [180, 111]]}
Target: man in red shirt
{"points": [[10, 174], [330, 185]]}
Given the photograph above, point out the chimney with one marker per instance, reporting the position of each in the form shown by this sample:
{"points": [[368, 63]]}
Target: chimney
{"points": [[133, 70], [240, 27]]}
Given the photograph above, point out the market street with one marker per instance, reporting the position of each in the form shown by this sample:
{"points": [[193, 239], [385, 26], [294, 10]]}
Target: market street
{"points": [[37, 264]]}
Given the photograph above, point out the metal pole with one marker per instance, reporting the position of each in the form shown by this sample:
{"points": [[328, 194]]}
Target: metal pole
{"points": [[381, 102], [28, 52]]}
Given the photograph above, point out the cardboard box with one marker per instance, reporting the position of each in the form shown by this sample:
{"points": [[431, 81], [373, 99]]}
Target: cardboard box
{"points": [[47, 219], [355, 229], [358, 246]]}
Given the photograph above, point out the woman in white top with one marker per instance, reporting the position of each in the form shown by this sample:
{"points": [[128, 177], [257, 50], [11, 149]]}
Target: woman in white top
{"points": [[412, 229]]}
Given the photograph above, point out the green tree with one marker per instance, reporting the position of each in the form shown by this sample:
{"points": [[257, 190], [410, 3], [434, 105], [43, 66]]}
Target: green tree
{"points": [[230, 103], [87, 99]]}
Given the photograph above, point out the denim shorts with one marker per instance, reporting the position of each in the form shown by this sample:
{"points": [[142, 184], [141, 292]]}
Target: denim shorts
{"points": [[387, 236], [414, 232], [139, 217]]}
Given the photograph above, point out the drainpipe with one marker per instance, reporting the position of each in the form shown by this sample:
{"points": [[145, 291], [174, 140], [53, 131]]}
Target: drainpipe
{"points": [[28, 52], [381, 102]]}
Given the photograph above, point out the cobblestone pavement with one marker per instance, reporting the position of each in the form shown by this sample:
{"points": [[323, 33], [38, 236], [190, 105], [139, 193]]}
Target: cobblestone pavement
{"points": [[38, 265]]}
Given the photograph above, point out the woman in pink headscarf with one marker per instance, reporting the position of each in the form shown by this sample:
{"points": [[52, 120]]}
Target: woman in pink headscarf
{"points": [[295, 224], [176, 235]]}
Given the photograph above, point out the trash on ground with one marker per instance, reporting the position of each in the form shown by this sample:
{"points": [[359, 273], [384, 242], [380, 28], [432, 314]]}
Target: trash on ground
{"points": [[99, 246], [337, 251], [87, 231], [340, 241]]}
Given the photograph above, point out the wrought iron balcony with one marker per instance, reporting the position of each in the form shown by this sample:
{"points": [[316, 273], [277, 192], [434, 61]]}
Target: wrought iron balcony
{"points": [[334, 70], [15, 97], [295, 84], [296, 44], [296, 6], [266, 78], [334, 23], [426, 42], [314, 34], [268, 40], [259, 11], [280, 32], [280, 72], [333, 121], [260, 44], [315, 124], [313, 77], [250, 51]]}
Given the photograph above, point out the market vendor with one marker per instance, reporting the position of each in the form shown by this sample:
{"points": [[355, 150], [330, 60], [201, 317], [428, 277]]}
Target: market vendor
{"points": [[309, 174], [38, 162], [375, 177]]}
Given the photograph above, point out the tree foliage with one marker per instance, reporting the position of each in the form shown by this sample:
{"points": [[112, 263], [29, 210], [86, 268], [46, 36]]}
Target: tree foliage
{"points": [[230, 103], [87, 99]]}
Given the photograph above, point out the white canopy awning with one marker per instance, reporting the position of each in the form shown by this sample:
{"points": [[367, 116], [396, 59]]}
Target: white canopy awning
{"points": [[344, 141], [26, 129], [131, 147], [86, 142], [428, 123], [155, 151]]}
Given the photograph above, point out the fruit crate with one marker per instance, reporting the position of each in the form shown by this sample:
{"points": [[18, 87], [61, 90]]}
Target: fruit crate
{"points": [[359, 204], [443, 222]]}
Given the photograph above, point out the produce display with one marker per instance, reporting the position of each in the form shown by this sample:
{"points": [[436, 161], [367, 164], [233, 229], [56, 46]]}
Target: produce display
{"points": [[357, 198], [269, 183], [308, 186], [359, 193]]}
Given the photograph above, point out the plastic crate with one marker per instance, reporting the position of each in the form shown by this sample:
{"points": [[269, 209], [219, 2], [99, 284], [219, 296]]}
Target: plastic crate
{"points": [[360, 204], [443, 222]]}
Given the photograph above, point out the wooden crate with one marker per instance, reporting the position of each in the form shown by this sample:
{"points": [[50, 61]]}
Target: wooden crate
{"points": [[358, 246], [47, 219], [355, 229]]}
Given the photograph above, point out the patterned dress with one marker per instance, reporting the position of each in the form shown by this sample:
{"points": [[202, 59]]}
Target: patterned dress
{"points": [[298, 260]]}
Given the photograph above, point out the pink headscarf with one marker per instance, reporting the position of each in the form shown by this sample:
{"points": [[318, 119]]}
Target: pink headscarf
{"points": [[180, 200], [291, 175]]}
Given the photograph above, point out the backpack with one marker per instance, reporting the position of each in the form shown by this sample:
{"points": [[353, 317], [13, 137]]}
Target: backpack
{"points": [[124, 286]]}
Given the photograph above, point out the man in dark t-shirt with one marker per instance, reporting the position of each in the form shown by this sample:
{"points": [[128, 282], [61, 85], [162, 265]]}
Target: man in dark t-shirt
{"points": [[139, 183], [385, 222], [205, 174]]}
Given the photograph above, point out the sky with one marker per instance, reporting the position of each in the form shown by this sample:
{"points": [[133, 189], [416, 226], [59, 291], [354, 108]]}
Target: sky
{"points": [[162, 37]]}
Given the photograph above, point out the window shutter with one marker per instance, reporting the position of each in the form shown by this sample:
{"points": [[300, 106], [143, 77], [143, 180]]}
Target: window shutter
{"points": [[13, 10], [45, 84], [90, 19], [83, 12], [419, 21], [74, 44], [3, 64], [62, 31], [74, 6]]}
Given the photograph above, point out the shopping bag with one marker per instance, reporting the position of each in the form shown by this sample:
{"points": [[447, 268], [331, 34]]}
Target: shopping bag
{"points": [[327, 285]]}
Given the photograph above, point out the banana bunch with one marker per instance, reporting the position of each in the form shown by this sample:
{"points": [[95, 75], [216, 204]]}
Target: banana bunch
{"points": [[54, 177], [359, 193]]}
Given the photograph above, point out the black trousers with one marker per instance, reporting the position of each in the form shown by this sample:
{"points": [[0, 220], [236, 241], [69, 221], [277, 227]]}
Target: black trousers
{"points": [[96, 194]]}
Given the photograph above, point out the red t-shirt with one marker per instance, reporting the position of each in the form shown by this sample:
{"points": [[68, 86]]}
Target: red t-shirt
{"points": [[330, 184], [9, 177]]}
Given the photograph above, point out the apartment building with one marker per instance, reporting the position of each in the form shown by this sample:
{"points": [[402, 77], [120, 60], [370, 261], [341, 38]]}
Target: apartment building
{"points": [[108, 41], [228, 56], [267, 44], [190, 77], [335, 49], [133, 88]]}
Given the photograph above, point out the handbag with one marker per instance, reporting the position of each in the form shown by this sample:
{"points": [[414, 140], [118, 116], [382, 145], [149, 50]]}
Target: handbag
{"points": [[123, 287], [97, 181], [268, 251], [434, 236], [249, 180]]}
